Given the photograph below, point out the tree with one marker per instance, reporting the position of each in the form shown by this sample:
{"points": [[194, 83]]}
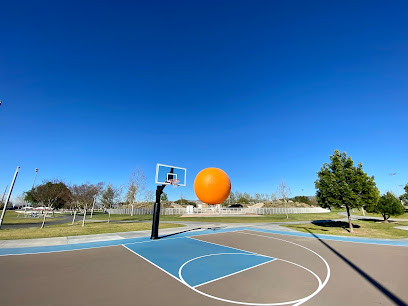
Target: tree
{"points": [[257, 197], [52, 194], [341, 183], [404, 197], [228, 200], [136, 185], [163, 197], [301, 199], [242, 198], [83, 196], [29, 197], [110, 196], [232, 199], [149, 196], [284, 193], [9, 205], [366, 188], [388, 206], [20, 201], [184, 202]]}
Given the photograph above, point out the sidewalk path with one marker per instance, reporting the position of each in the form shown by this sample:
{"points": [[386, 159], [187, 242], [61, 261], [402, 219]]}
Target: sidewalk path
{"points": [[189, 226], [354, 217]]}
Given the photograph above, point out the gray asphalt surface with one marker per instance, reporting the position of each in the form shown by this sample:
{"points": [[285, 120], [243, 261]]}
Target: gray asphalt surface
{"points": [[360, 275]]}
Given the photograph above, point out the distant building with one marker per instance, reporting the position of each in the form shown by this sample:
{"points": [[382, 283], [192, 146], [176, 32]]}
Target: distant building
{"points": [[200, 204]]}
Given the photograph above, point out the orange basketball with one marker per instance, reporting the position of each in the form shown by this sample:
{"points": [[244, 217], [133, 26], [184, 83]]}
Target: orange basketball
{"points": [[212, 186]]}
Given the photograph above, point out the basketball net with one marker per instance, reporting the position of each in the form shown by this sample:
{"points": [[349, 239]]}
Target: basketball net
{"points": [[174, 182]]}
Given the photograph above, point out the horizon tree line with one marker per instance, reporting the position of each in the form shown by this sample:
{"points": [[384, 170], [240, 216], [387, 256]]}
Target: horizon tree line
{"points": [[339, 183]]}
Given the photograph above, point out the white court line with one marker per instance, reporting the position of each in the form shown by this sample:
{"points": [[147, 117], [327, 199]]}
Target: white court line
{"points": [[247, 303], [156, 240], [298, 302], [232, 247], [152, 263], [327, 237], [213, 280], [184, 283], [325, 262]]}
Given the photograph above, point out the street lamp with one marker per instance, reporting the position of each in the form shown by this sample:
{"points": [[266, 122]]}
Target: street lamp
{"points": [[395, 182], [36, 172]]}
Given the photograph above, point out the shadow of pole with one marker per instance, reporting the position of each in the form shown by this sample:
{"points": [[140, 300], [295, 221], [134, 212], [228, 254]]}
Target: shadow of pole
{"points": [[189, 230], [376, 284], [193, 229]]}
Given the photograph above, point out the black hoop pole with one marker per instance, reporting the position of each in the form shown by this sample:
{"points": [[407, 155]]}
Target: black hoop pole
{"points": [[156, 213]]}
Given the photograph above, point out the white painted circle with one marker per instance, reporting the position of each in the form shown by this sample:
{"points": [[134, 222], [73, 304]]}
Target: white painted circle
{"points": [[299, 245], [247, 303]]}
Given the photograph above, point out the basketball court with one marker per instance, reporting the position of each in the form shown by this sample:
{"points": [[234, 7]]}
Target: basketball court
{"points": [[244, 266]]}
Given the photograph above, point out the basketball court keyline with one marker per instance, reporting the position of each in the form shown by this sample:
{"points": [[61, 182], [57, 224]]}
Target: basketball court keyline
{"points": [[321, 286], [298, 301], [222, 277], [244, 252], [173, 254], [187, 285], [202, 293], [258, 230]]}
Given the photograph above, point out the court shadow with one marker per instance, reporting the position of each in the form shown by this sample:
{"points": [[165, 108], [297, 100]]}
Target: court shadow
{"points": [[214, 228], [339, 224], [370, 220], [178, 233], [376, 284]]}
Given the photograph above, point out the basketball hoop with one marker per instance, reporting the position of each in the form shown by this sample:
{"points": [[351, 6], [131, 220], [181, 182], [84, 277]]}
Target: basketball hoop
{"points": [[174, 182]]}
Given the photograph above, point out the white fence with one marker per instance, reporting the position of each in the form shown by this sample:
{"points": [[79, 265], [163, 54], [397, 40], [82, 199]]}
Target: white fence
{"points": [[223, 211]]}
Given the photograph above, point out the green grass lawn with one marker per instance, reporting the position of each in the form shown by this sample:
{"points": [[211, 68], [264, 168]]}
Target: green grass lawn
{"points": [[62, 230], [370, 229], [257, 219], [359, 213], [11, 217]]}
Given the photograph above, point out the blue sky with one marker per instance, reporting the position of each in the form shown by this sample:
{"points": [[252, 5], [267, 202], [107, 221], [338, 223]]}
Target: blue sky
{"points": [[261, 89]]}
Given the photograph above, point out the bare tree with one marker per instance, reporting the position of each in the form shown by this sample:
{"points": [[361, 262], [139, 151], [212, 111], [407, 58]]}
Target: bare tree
{"points": [[136, 185], [83, 196], [258, 197], [110, 196], [284, 193], [272, 197], [149, 196]]}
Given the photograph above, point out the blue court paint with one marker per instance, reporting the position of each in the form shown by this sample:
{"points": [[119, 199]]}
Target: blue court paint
{"points": [[208, 268], [98, 244], [171, 254]]}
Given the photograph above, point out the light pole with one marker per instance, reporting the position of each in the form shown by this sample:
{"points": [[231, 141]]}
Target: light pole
{"points": [[395, 182], [36, 172], [8, 196]]}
